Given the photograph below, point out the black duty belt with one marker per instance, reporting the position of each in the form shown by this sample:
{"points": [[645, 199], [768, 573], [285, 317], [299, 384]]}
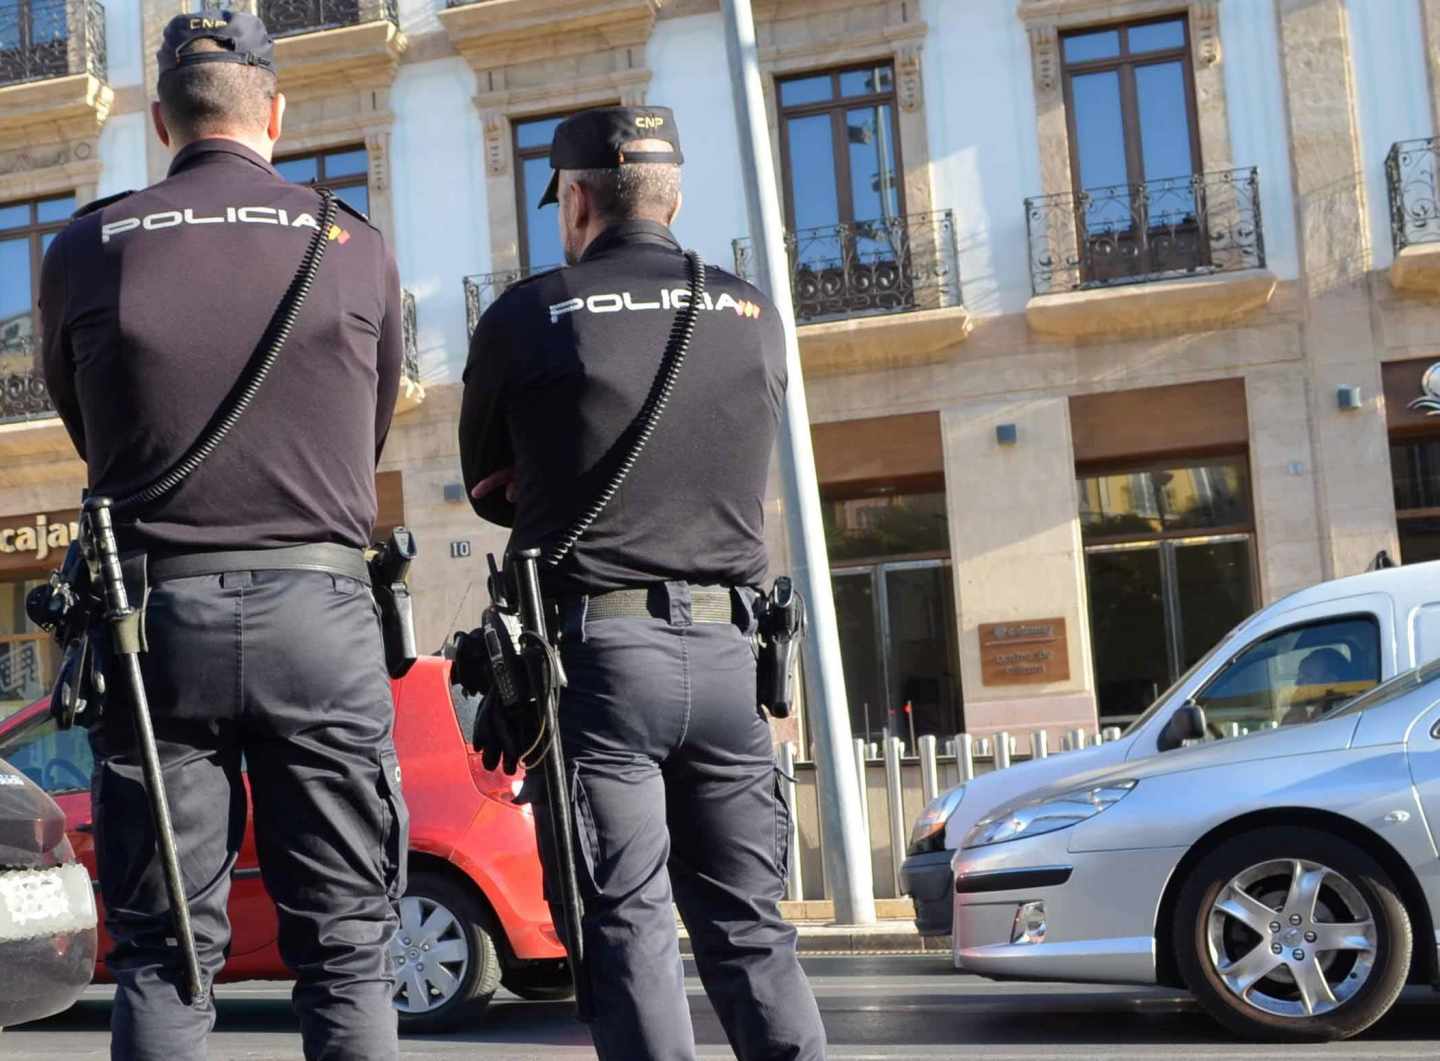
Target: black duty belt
{"points": [[708, 604], [318, 556]]}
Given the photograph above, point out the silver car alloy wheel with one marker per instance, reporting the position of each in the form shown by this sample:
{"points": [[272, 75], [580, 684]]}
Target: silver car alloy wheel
{"points": [[430, 954], [1292, 938]]}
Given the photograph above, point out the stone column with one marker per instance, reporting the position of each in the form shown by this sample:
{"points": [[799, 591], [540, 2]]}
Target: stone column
{"points": [[1282, 474], [1356, 505], [1016, 554]]}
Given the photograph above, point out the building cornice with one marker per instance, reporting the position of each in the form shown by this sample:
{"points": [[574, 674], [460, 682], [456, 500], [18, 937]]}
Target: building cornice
{"points": [[335, 60], [493, 33]]}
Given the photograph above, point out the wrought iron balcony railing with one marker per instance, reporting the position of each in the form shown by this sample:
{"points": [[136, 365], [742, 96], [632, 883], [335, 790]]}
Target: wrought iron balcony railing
{"points": [[892, 265], [1410, 176], [23, 395], [287, 18], [484, 288], [1134, 233], [410, 367], [41, 39]]}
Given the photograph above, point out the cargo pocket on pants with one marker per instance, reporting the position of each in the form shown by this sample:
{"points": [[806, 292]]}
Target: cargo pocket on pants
{"points": [[587, 839], [395, 825], [782, 827]]}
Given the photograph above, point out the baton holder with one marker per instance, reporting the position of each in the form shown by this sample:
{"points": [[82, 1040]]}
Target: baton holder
{"points": [[98, 535]]}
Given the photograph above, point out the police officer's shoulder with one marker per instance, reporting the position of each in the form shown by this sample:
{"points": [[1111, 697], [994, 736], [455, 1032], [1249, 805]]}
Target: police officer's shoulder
{"points": [[521, 293], [100, 204], [353, 212], [719, 279]]}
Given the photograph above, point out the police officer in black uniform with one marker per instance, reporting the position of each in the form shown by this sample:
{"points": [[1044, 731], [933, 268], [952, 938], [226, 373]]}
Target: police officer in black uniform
{"points": [[674, 782], [263, 653]]}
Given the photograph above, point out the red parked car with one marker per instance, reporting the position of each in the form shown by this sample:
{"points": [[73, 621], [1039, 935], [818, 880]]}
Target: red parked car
{"points": [[473, 916]]}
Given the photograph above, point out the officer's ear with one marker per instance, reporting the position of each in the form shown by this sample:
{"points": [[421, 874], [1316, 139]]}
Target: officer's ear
{"points": [[277, 117], [157, 116], [675, 210]]}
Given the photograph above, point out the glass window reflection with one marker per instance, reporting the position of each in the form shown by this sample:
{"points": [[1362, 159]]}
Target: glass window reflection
{"points": [[1157, 36], [1210, 496], [1087, 47], [886, 524]]}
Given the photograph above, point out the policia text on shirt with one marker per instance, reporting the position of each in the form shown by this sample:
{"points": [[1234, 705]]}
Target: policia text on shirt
{"points": [[672, 783], [262, 644]]}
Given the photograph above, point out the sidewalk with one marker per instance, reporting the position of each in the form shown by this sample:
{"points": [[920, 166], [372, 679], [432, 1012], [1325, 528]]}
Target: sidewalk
{"points": [[893, 933]]}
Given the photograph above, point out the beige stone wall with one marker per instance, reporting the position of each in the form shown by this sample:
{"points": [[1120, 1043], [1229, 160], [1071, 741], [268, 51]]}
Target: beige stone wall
{"points": [[1015, 547]]}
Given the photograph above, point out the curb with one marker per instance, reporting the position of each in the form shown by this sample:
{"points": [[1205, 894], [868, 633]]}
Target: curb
{"points": [[816, 938]]}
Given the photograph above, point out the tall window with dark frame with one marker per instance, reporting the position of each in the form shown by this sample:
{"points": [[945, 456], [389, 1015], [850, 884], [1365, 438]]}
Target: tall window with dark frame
{"points": [[1415, 470], [539, 233], [1169, 560], [1134, 148], [345, 171], [844, 192], [26, 229]]}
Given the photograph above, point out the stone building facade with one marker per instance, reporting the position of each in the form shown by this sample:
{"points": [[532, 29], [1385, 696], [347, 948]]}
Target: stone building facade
{"points": [[1112, 313]]}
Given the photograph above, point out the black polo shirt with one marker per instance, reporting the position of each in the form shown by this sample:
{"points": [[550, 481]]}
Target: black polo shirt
{"points": [[559, 367], [152, 304]]}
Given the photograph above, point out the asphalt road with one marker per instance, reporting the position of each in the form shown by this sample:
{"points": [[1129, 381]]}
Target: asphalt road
{"points": [[874, 1007]]}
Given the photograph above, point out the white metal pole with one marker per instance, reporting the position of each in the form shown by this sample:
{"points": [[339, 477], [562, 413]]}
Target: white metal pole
{"points": [[845, 839]]}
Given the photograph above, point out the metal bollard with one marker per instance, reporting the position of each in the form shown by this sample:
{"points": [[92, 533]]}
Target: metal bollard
{"points": [[1002, 750], [1232, 729], [1039, 745], [1079, 739], [895, 791], [929, 768], [861, 776], [794, 885], [965, 756]]}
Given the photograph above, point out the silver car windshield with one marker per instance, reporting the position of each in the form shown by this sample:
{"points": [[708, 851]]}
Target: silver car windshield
{"points": [[1396, 687]]}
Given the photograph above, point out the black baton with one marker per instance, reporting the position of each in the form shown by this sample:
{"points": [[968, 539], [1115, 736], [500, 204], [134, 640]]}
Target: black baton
{"points": [[125, 637], [562, 836]]}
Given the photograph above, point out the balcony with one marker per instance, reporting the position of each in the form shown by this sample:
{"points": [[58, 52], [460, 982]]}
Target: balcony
{"points": [[1195, 244], [872, 294], [330, 45], [23, 395], [1410, 178], [484, 288], [287, 18], [52, 69]]}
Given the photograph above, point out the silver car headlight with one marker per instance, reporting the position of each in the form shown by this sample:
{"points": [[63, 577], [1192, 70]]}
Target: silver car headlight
{"points": [[929, 832], [1048, 815]]}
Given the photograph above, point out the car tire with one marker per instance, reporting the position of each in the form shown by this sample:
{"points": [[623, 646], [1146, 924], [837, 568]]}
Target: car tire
{"points": [[1226, 948], [539, 981], [442, 922]]}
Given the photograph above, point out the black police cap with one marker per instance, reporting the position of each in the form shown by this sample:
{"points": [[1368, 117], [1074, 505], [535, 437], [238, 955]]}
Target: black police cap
{"points": [[595, 139], [242, 37]]}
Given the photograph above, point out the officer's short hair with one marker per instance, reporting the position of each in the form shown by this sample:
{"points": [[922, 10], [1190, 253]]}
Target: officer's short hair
{"points": [[202, 99], [640, 190]]}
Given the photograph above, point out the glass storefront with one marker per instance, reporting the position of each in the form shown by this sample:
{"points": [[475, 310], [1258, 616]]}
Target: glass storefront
{"points": [[1169, 556], [1415, 469], [28, 657], [895, 604]]}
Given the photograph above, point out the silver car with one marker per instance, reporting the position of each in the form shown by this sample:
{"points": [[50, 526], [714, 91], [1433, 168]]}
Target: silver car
{"points": [[1289, 879]]}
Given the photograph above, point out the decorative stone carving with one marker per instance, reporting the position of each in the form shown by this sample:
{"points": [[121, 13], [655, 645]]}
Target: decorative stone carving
{"points": [[907, 73], [1205, 30], [377, 145], [495, 155], [1045, 57], [633, 95], [25, 160]]}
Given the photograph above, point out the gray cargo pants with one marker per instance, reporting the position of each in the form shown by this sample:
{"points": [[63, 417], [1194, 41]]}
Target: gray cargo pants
{"points": [[284, 669], [676, 800]]}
